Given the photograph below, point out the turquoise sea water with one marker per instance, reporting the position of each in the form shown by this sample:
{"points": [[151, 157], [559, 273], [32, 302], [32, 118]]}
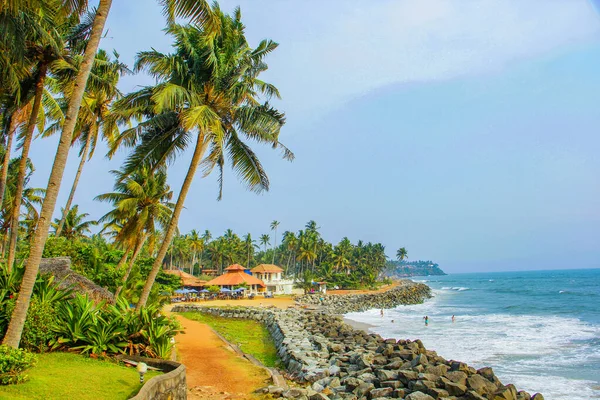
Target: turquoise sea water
{"points": [[538, 329]]}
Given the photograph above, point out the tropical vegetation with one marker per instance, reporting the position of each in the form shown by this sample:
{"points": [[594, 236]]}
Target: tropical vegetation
{"points": [[55, 79]]}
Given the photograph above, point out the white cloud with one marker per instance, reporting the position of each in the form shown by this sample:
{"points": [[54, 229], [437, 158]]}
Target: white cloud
{"points": [[348, 48]]}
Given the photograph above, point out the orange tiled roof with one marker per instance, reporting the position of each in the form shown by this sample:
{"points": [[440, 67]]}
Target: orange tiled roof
{"points": [[235, 267], [187, 279], [233, 278], [266, 268]]}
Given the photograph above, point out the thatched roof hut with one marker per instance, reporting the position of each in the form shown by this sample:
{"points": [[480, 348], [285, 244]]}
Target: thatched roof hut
{"points": [[65, 277], [187, 280]]}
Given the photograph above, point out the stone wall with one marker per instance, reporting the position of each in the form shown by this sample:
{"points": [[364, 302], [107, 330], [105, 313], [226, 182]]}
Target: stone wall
{"points": [[169, 386], [407, 292]]}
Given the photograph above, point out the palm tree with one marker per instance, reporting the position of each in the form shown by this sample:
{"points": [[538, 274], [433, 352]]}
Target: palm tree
{"points": [[197, 10], [401, 254], [209, 88], [196, 245], [93, 118], [75, 225], [274, 226], [265, 240], [43, 55], [311, 226], [206, 236], [249, 244], [32, 197], [17, 321], [140, 205], [14, 120]]}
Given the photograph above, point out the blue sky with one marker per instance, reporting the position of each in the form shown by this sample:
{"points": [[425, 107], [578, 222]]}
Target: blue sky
{"points": [[466, 131]]}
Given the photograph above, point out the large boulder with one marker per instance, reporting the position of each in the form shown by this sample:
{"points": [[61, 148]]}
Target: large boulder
{"points": [[418, 396], [481, 385]]}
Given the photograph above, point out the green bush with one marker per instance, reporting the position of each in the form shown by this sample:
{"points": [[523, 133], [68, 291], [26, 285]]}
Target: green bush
{"points": [[13, 363], [214, 289], [37, 331]]}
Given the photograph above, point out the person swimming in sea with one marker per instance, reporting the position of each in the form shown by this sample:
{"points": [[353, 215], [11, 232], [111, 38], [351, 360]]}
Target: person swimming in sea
{"points": [[426, 318], [453, 318], [381, 312]]}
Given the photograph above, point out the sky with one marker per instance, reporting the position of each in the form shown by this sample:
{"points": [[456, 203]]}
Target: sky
{"points": [[466, 131]]}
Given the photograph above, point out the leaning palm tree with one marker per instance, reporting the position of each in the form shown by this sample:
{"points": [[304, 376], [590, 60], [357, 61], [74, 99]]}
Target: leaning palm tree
{"points": [[197, 10], [48, 53], [93, 122], [208, 92], [274, 226], [141, 204], [32, 198], [75, 225]]}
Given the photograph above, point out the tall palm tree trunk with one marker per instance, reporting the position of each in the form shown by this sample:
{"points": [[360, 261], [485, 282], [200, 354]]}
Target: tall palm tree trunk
{"points": [[136, 252], [123, 259], [274, 246], [199, 151], [12, 127], [84, 154], [17, 321], [35, 110]]}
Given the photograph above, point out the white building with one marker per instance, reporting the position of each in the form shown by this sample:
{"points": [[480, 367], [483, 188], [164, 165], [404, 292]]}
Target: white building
{"points": [[272, 276]]}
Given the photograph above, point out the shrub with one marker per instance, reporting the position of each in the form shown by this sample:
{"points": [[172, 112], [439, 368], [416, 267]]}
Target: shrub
{"points": [[37, 331], [100, 329], [13, 363]]}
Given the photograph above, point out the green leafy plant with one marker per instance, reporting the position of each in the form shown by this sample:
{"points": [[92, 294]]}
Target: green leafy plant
{"points": [[13, 363], [75, 318]]}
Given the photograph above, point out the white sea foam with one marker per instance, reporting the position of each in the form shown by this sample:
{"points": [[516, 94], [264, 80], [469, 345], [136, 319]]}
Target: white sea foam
{"points": [[529, 351], [457, 288]]}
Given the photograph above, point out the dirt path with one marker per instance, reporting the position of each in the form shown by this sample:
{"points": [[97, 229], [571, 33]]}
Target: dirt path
{"points": [[213, 370]]}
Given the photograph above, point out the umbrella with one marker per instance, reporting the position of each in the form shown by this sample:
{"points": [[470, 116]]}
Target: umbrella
{"points": [[192, 291], [181, 291], [225, 290], [205, 291]]}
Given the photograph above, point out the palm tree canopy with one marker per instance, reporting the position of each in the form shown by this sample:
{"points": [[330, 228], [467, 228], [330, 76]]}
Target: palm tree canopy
{"points": [[76, 225], [401, 254], [141, 203], [208, 86]]}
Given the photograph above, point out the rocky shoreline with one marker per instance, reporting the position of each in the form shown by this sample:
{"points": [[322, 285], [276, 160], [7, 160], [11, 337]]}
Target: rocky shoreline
{"points": [[331, 360], [406, 292]]}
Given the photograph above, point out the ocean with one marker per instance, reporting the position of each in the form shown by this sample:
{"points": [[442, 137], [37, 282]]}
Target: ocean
{"points": [[539, 330]]}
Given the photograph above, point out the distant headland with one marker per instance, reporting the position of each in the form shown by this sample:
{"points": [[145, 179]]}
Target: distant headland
{"points": [[403, 268]]}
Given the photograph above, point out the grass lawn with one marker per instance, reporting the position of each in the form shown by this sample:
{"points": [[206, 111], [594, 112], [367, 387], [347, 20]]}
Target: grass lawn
{"points": [[72, 376], [250, 336]]}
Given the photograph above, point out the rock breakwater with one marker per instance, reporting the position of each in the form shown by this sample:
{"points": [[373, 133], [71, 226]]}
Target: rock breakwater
{"points": [[333, 361], [406, 292]]}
